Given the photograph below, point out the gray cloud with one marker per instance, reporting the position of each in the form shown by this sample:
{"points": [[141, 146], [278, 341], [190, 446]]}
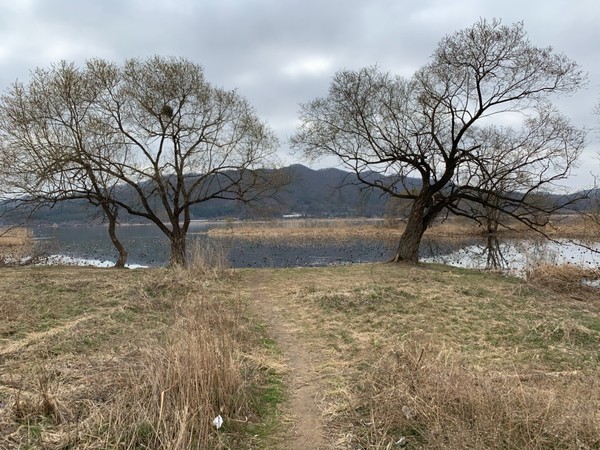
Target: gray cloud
{"points": [[279, 53]]}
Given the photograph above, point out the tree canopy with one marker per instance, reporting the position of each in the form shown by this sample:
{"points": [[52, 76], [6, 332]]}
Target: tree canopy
{"points": [[154, 127], [475, 125]]}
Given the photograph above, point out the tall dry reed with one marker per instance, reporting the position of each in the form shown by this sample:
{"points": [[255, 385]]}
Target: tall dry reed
{"points": [[171, 389], [174, 392], [419, 398], [207, 258]]}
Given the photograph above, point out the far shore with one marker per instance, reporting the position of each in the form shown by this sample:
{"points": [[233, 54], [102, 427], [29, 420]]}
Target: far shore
{"points": [[566, 227], [378, 228], [15, 236]]}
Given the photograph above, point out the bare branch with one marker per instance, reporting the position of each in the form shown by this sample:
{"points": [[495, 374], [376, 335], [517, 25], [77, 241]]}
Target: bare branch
{"points": [[438, 126]]}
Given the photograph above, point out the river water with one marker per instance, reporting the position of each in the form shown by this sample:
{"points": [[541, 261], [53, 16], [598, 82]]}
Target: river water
{"points": [[148, 247]]}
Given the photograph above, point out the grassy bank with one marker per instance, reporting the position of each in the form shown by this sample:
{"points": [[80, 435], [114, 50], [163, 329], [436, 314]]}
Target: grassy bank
{"points": [[422, 357], [433, 357], [104, 359]]}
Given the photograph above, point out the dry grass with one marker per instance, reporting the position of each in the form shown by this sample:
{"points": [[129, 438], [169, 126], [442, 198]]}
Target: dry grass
{"points": [[15, 236], [432, 356], [307, 229], [575, 227], [567, 279], [109, 359], [15, 244], [439, 357], [175, 390], [339, 229], [207, 259], [425, 396]]}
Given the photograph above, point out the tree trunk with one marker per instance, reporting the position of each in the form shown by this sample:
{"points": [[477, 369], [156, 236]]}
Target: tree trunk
{"points": [[178, 256], [408, 247], [112, 216], [492, 222], [112, 227]]}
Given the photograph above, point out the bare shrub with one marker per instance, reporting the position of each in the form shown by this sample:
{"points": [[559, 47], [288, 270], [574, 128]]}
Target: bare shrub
{"points": [[419, 397], [207, 258], [563, 278]]}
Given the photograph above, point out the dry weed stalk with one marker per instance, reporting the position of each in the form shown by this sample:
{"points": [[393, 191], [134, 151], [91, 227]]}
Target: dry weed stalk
{"points": [[418, 395], [563, 278], [207, 259], [174, 391]]}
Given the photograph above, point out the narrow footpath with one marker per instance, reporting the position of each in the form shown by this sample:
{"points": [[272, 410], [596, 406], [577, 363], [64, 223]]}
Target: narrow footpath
{"points": [[302, 379]]}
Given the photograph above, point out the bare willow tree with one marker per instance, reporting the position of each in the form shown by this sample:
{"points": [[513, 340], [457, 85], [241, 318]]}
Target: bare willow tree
{"points": [[49, 137], [475, 118], [185, 142], [151, 137]]}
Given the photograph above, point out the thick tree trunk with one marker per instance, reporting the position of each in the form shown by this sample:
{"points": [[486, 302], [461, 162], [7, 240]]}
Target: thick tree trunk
{"points": [[112, 228], [178, 256], [408, 247]]}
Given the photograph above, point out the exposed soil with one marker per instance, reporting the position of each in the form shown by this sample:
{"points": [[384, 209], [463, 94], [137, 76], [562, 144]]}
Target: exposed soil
{"points": [[305, 390]]}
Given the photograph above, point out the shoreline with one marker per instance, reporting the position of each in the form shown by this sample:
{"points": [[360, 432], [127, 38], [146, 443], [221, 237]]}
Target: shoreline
{"points": [[383, 229]]}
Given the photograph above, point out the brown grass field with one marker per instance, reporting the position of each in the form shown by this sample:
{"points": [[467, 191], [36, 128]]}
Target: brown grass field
{"points": [[446, 358], [109, 359], [374, 356], [314, 229]]}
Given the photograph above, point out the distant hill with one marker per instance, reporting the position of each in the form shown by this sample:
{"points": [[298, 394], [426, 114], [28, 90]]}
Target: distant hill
{"points": [[312, 193], [323, 193]]}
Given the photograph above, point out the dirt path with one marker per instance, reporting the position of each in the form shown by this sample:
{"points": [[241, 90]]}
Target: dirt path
{"points": [[303, 376]]}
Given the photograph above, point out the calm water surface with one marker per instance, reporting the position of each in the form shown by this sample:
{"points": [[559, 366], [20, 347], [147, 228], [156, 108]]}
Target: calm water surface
{"points": [[148, 247]]}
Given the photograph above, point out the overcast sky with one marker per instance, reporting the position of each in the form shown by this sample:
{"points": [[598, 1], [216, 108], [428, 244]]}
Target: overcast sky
{"points": [[279, 53]]}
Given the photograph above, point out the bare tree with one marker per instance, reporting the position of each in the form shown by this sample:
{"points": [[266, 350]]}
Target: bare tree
{"points": [[154, 138], [476, 117], [50, 138]]}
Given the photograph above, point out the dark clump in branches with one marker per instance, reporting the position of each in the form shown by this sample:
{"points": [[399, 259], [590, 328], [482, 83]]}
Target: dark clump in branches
{"points": [[475, 126], [150, 138]]}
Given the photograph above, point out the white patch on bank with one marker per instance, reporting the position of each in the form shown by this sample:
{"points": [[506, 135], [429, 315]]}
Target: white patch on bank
{"points": [[63, 260]]}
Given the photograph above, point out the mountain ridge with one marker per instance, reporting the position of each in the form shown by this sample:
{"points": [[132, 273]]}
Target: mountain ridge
{"points": [[325, 192]]}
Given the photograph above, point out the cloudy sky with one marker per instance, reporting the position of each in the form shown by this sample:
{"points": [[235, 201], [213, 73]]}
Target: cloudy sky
{"points": [[279, 53]]}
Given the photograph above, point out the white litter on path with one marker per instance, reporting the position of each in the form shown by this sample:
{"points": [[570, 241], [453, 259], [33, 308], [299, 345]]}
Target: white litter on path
{"points": [[218, 422]]}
